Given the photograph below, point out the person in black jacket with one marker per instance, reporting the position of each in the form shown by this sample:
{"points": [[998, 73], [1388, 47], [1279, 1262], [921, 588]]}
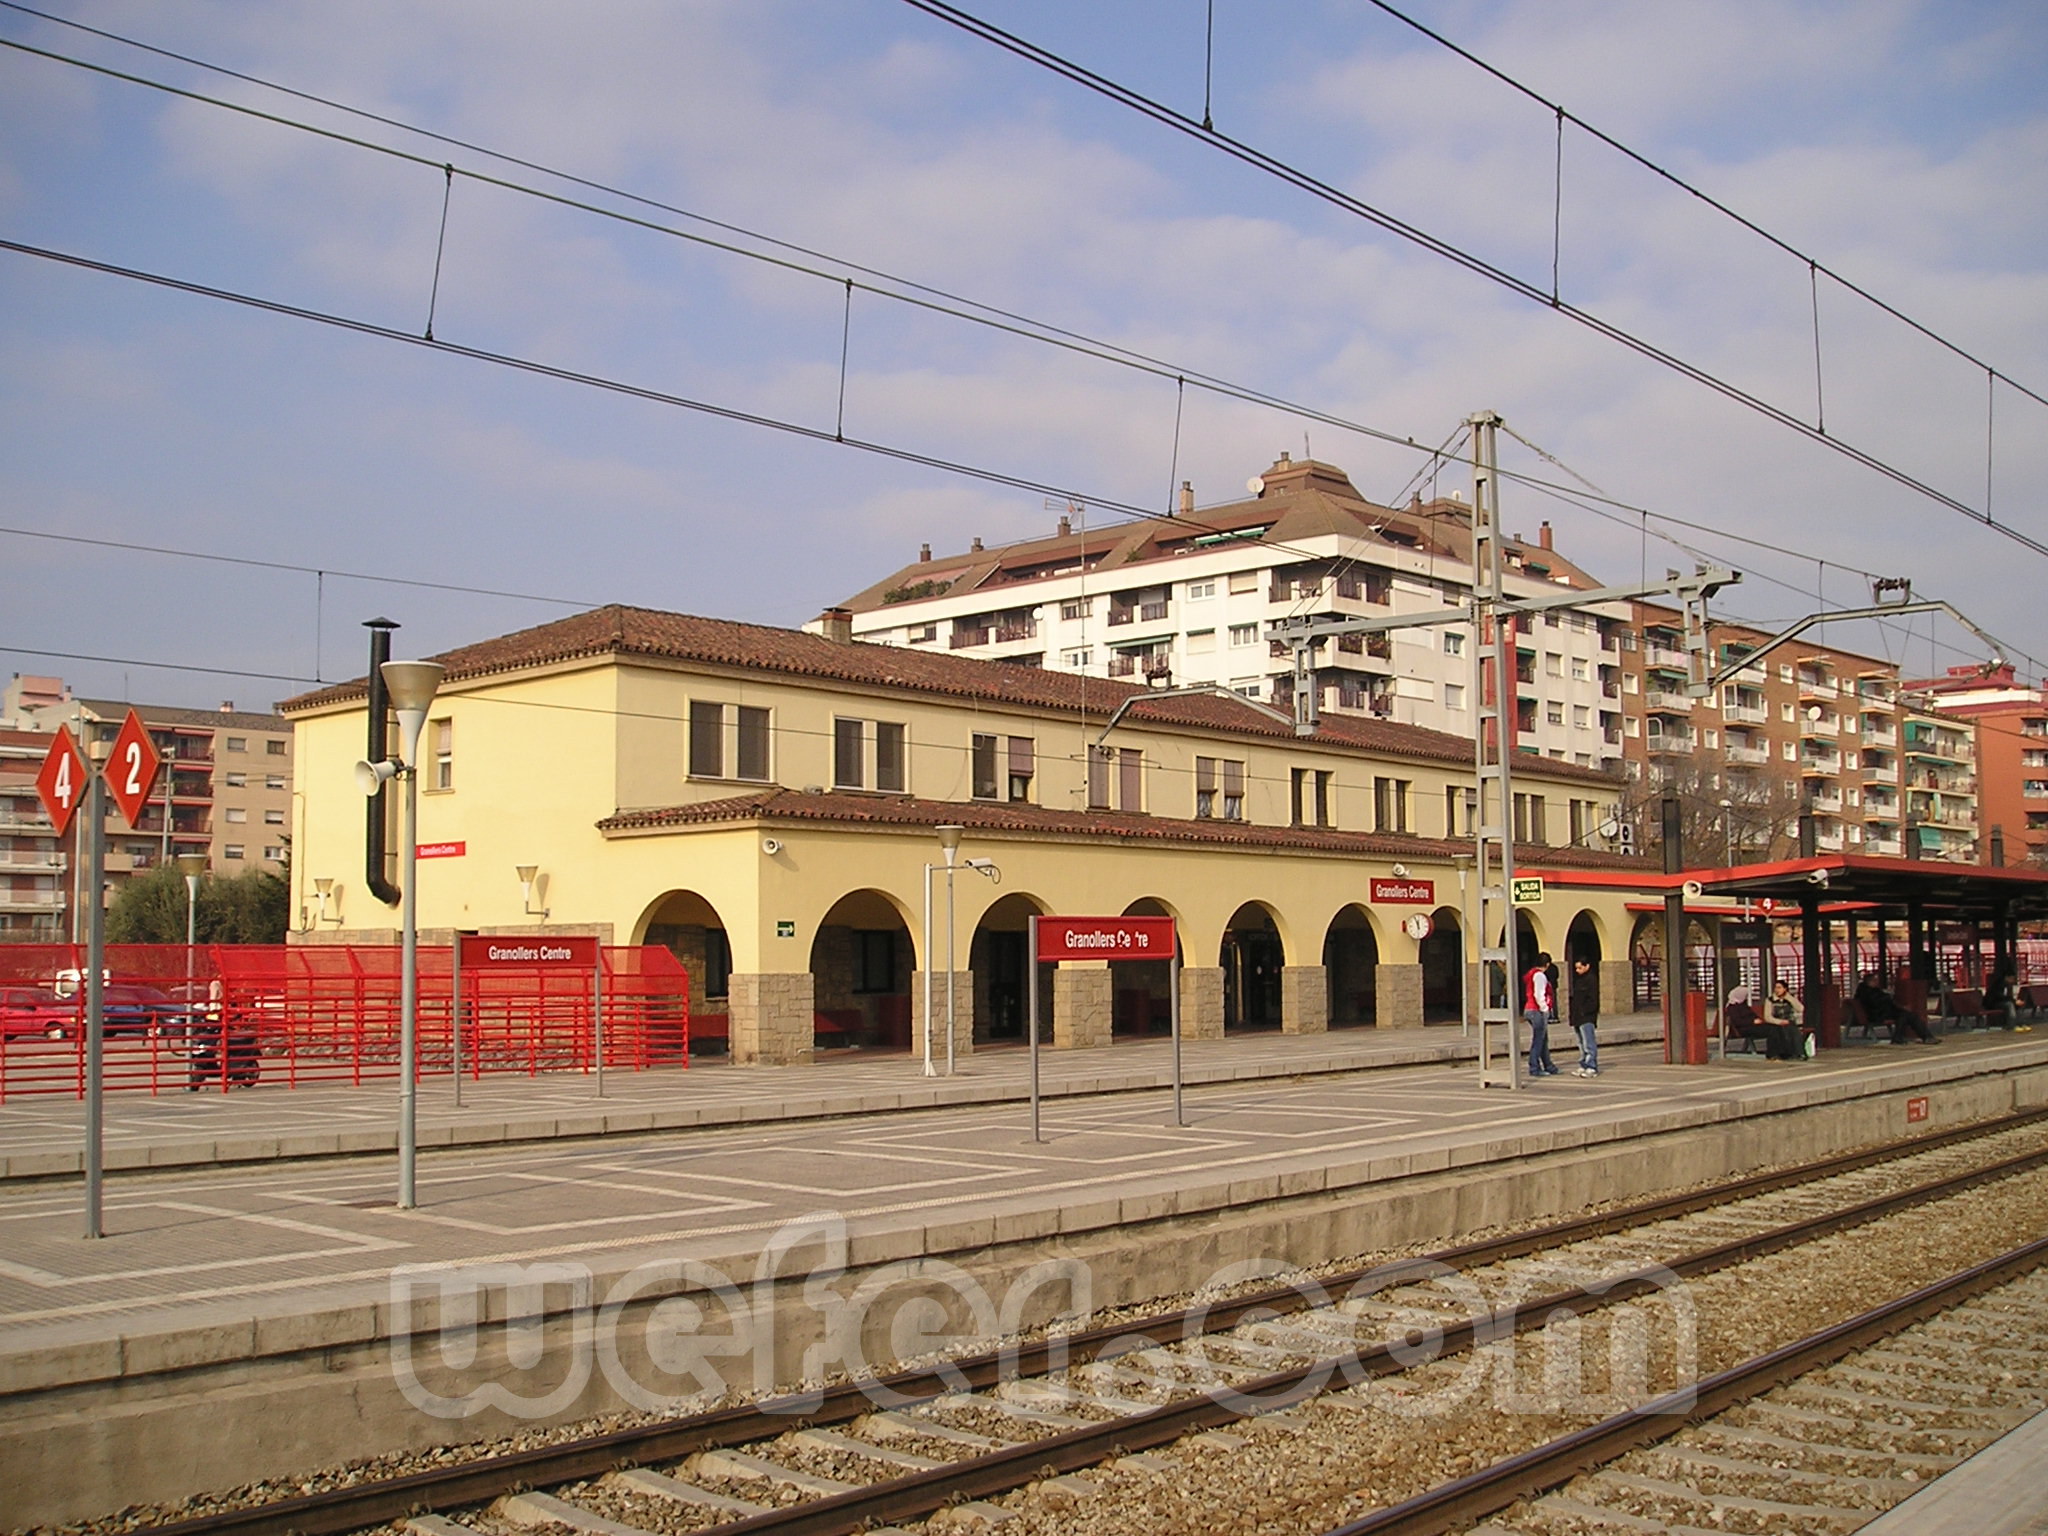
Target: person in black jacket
{"points": [[1880, 1007], [1585, 1003]]}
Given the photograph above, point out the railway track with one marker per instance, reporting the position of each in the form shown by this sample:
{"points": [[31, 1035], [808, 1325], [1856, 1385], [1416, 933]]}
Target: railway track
{"points": [[990, 1424], [1825, 1433]]}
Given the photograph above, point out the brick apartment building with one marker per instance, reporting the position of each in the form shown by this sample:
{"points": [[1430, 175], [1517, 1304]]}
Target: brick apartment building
{"points": [[2011, 761]]}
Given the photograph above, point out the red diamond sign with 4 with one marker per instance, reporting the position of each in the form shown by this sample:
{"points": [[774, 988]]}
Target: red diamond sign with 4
{"points": [[131, 771], [61, 784]]}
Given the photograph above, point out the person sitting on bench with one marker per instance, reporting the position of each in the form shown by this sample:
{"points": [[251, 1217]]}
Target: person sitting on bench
{"points": [[1740, 1021], [1784, 1018], [1880, 1007]]}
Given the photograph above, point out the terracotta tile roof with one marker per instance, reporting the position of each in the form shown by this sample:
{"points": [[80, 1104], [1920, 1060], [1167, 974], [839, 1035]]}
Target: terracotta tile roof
{"points": [[775, 806], [625, 632]]}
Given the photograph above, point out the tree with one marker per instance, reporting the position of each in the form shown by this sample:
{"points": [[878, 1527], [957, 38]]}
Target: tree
{"points": [[251, 908], [1759, 822]]}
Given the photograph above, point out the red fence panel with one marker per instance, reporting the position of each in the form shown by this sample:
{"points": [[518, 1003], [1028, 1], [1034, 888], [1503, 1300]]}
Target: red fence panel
{"points": [[224, 1016]]}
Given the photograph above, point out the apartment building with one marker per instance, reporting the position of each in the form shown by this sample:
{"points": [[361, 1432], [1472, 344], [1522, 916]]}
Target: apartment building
{"points": [[225, 791], [1807, 729], [1200, 598], [2011, 720]]}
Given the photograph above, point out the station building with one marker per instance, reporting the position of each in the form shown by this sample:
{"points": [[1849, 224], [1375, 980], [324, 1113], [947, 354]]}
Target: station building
{"points": [[764, 802]]}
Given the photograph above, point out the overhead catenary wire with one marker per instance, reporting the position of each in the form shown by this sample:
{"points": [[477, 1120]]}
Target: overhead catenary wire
{"points": [[1458, 255]]}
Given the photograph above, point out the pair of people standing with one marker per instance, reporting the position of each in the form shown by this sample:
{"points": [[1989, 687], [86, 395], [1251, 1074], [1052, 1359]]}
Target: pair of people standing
{"points": [[1539, 1008]]}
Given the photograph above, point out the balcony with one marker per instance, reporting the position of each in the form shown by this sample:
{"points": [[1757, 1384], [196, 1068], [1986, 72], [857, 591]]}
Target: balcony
{"points": [[21, 862], [36, 825], [1022, 629], [1828, 842], [1668, 744], [1755, 757], [1820, 765], [1745, 714], [1664, 701], [1881, 738], [963, 638], [1828, 803], [1814, 686], [1665, 656], [31, 901], [1884, 847]]}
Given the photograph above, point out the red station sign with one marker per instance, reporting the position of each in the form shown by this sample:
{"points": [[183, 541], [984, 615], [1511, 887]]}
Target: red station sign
{"points": [[1421, 892], [501, 952], [1105, 938], [61, 784], [132, 769]]}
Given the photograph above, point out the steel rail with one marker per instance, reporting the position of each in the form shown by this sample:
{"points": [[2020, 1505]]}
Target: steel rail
{"points": [[358, 1506], [1536, 1471]]}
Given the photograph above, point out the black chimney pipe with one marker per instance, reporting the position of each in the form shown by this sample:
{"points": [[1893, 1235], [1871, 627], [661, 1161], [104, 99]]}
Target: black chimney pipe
{"points": [[375, 833]]}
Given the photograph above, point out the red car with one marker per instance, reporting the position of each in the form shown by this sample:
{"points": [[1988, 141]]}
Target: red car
{"points": [[34, 1011]]}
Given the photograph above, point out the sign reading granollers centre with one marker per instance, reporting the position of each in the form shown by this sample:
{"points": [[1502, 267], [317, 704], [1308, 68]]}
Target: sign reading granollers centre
{"points": [[1419, 892], [491, 952], [1105, 938]]}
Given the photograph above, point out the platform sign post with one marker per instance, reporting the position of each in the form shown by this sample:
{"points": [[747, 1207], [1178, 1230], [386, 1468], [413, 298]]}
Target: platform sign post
{"points": [[95, 1002], [1113, 939]]}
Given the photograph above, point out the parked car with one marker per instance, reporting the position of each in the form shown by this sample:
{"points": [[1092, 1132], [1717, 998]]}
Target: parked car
{"points": [[33, 1011], [126, 1008]]}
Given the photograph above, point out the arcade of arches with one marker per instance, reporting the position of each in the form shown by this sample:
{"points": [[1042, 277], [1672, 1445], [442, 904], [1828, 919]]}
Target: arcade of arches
{"points": [[864, 986]]}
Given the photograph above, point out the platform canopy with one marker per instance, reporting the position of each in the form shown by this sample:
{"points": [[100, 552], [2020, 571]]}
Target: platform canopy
{"points": [[1859, 885]]}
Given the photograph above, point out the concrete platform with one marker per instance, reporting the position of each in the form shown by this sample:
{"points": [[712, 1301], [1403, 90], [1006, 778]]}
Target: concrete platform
{"points": [[250, 1321], [40, 1136], [2000, 1491]]}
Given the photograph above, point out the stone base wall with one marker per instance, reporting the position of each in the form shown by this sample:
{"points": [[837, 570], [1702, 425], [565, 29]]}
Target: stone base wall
{"points": [[1201, 1002], [1397, 990], [1082, 997], [1617, 988], [771, 1018], [963, 1012], [1304, 1000]]}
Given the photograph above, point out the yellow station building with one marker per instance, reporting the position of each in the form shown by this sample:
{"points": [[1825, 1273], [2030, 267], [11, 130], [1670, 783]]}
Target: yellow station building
{"points": [[765, 803]]}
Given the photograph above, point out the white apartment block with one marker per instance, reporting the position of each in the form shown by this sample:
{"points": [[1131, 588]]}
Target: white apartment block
{"points": [[1200, 598]]}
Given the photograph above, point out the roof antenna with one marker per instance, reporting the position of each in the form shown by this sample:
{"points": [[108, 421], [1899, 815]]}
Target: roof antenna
{"points": [[1304, 447]]}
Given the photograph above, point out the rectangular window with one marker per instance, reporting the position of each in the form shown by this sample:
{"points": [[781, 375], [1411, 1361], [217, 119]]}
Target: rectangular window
{"points": [[1022, 764], [1244, 581], [1553, 714], [1098, 778], [1579, 672], [849, 754], [1233, 789], [238, 743], [892, 757], [753, 742], [1629, 683], [1631, 726], [874, 960], [1130, 779], [1201, 641], [237, 814], [1201, 589], [239, 781], [1713, 739], [273, 781], [232, 851], [1390, 805], [274, 854], [1553, 664], [1077, 608], [1581, 718], [1075, 659], [1454, 695], [444, 754], [1244, 634], [1311, 797], [982, 767], [273, 818], [707, 740], [1529, 819], [1205, 787], [274, 746], [1454, 643]]}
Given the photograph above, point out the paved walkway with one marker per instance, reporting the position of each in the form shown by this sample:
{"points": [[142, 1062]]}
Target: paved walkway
{"points": [[42, 1136], [239, 1253]]}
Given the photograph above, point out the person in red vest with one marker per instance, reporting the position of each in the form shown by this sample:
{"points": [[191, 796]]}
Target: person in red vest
{"points": [[1539, 1001]]}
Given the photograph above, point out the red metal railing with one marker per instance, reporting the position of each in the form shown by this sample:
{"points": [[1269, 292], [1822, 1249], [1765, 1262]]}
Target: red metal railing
{"points": [[224, 1016]]}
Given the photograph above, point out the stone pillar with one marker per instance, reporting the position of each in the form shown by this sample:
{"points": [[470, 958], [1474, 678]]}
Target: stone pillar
{"points": [[1617, 988], [1201, 1002], [1397, 992], [1082, 993], [1304, 999], [963, 1013], [771, 1019]]}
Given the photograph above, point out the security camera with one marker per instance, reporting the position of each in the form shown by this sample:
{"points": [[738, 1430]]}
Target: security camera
{"points": [[1693, 890], [771, 846], [1399, 871], [1817, 877]]}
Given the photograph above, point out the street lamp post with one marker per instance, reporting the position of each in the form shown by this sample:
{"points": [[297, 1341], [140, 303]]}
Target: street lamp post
{"points": [[949, 844], [191, 866], [412, 686]]}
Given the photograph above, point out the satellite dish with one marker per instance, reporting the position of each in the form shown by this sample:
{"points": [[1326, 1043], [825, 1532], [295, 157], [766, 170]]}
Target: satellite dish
{"points": [[1256, 485]]}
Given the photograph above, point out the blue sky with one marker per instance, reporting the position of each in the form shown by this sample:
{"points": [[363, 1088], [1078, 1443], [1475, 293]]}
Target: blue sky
{"points": [[1903, 145]]}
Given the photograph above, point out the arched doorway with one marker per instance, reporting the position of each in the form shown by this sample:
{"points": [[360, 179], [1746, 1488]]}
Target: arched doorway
{"points": [[1142, 1001], [1442, 955], [1252, 958], [689, 927], [999, 955], [1582, 939], [1351, 963], [861, 962]]}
